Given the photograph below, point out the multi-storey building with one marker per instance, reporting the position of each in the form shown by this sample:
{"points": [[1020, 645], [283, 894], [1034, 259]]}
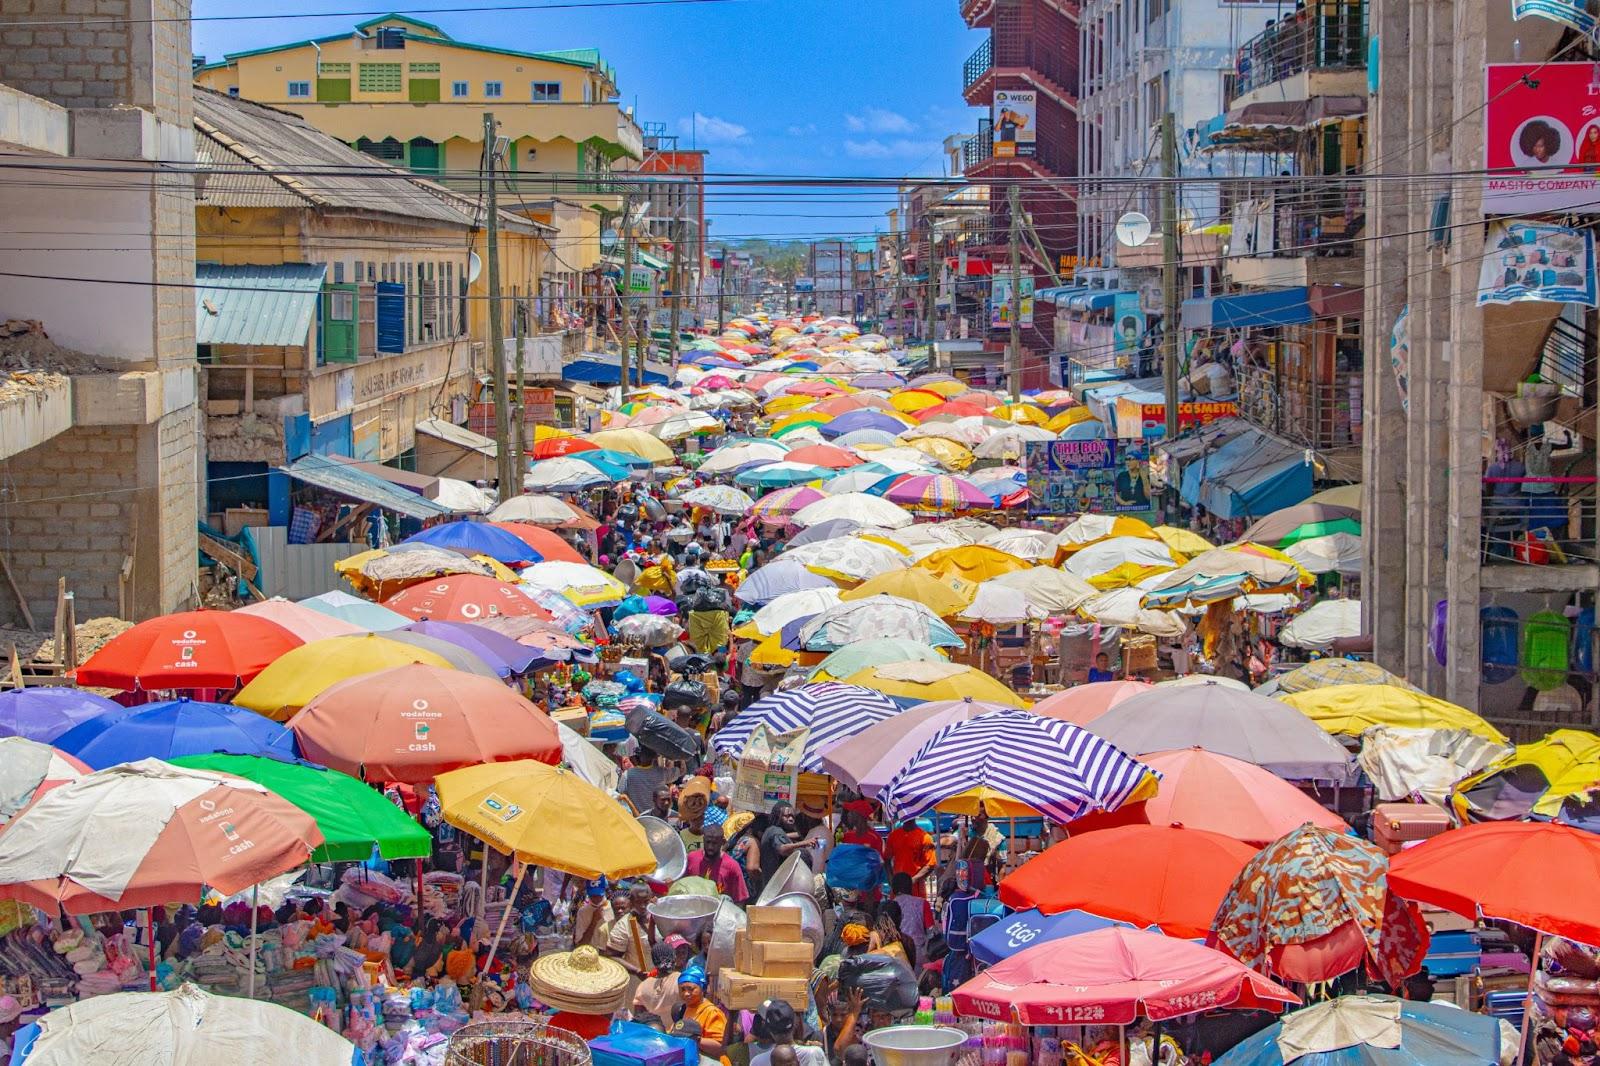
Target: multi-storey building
{"points": [[677, 211]]}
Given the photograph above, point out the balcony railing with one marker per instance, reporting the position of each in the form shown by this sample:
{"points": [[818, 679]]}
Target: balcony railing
{"points": [[1296, 221], [1318, 414], [977, 64], [1019, 53], [1323, 35], [978, 148], [1538, 521]]}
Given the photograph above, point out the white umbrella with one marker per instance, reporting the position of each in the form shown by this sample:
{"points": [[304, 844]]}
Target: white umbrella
{"points": [[563, 474], [1122, 607], [536, 509], [731, 457], [1032, 544], [1052, 591], [586, 586], [1107, 555], [586, 760], [1000, 605], [791, 606], [1011, 442], [723, 499], [1322, 624], [683, 424], [967, 436], [1334, 553], [857, 506], [848, 558], [462, 496]]}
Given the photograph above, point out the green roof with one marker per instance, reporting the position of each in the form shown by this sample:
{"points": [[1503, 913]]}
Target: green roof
{"points": [[257, 305], [575, 57], [397, 17]]}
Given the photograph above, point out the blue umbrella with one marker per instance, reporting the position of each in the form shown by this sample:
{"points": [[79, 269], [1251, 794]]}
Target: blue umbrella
{"points": [[498, 650], [373, 617], [1026, 928], [783, 475], [476, 538], [601, 456], [777, 578], [613, 472], [43, 714], [172, 728], [865, 418], [1431, 1034]]}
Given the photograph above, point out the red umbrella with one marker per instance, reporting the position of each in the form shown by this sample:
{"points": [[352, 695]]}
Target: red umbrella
{"points": [[191, 649], [1203, 790], [1112, 977], [1141, 874], [411, 723], [548, 544], [1082, 704], [559, 446], [955, 408], [463, 598], [823, 455]]}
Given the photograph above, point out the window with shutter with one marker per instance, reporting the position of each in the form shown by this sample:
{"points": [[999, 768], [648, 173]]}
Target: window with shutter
{"points": [[336, 320], [391, 315], [430, 310], [367, 320], [379, 77]]}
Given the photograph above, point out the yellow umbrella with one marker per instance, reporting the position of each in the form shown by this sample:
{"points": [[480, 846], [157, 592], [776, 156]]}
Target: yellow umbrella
{"points": [[1567, 759], [1070, 417], [1093, 528], [1126, 575], [1352, 709], [1183, 541], [771, 652], [946, 389], [543, 433], [950, 455], [788, 404], [972, 562], [304, 673], [914, 400], [944, 596], [936, 681], [800, 418], [1023, 413], [634, 442]]}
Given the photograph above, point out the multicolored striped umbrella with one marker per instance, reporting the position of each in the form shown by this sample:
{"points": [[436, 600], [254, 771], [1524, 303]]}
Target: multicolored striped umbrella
{"points": [[778, 506], [939, 492], [1016, 763], [832, 711]]}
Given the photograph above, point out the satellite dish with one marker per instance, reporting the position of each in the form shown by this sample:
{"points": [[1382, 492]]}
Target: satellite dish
{"points": [[475, 267], [1133, 229]]}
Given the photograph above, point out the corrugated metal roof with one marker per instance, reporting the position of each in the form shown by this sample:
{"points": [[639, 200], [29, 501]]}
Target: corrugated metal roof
{"points": [[260, 305], [357, 484], [457, 435]]}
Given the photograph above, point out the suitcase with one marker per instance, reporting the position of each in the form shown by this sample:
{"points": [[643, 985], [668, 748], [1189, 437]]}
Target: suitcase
{"points": [[1397, 824]]}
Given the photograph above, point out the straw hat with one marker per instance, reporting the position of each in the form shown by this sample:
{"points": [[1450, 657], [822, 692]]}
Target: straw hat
{"points": [[581, 981]]}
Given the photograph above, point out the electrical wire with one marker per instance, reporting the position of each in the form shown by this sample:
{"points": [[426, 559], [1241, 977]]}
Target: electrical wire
{"points": [[552, 5]]}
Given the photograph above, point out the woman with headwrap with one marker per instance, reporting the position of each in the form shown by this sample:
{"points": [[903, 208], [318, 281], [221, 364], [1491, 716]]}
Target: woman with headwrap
{"points": [[697, 1008]]}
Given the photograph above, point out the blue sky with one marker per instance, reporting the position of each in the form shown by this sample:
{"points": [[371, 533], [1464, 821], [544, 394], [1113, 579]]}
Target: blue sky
{"points": [[801, 87]]}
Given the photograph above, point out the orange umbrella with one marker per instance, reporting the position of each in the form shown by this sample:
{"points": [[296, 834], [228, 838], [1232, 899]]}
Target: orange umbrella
{"points": [[191, 649], [824, 455], [550, 545], [957, 408], [556, 447], [414, 722], [1218, 794], [1082, 704], [1142, 874], [463, 598]]}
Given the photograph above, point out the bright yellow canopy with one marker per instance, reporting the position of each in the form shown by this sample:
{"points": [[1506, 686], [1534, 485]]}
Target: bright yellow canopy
{"points": [[943, 595], [1352, 709], [1022, 413], [1183, 541], [1569, 759], [948, 453], [787, 404], [634, 442], [1070, 417], [936, 681], [771, 653], [915, 400], [302, 674], [1125, 575], [946, 389], [972, 562]]}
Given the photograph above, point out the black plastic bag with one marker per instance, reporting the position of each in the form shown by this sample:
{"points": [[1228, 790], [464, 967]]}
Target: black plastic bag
{"points": [[685, 693], [667, 738], [886, 981]]}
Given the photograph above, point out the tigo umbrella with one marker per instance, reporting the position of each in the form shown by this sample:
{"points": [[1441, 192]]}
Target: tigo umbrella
{"points": [[173, 728], [831, 711], [307, 623], [476, 538], [1025, 929], [43, 714], [191, 649], [467, 598], [311, 669], [28, 769], [924, 681], [1371, 1030]]}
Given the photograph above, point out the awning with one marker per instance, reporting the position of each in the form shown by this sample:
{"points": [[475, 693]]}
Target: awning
{"points": [[460, 436], [1094, 299], [356, 484], [260, 305], [1060, 294], [646, 259], [421, 484], [1250, 475], [1261, 307], [601, 370], [975, 267], [1295, 114]]}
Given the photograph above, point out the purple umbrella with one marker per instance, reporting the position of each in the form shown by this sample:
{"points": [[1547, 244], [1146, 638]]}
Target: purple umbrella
{"points": [[866, 418], [833, 527], [879, 381], [43, 714], [502, 653], [776, 578], [661, 605]]}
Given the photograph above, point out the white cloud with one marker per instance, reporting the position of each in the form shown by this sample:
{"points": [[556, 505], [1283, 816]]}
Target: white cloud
{"points": [[807, 130], [878, 120], [900, 148], [709, 129]]}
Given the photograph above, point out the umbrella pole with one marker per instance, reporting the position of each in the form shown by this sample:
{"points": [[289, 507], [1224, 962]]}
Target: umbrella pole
{"points": [[150, 935], [494, 945], [1527, 1004], [255, 902], [483, 884]]}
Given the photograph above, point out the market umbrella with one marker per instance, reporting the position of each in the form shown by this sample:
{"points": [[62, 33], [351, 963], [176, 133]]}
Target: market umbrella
{"points": [[1437, 766], [187, 650], [353, 817], [1336, 671], [1093, 528], [612, 466], [186, 1025], [1012, 763], [551, 546], [45, 713], [939, 492], [1112, 977], [775, 508], [457, 655], [782, 475], [832, 529], [499, 651], [172, 728], [1202, 790], [1052, 591], [867, 760], [364, 614], [1533, 779], [972, 562], [466, 598], [1243, 725], [723, 499], [382, 572], [1337, 527], [1345, 496], [554, 447], [539, 510], [827, 456], [864, 653], [779, 578], [1272, 528], [476, 538], [851, 559], [1028, 928], [411, 723], [307, 623], [875, 617], [311, 669], [586, 586], [1316, 901], [858, 506], [1092, 560], [1082, 704], [733, 457], [855, 421], [29, 769], [831, 711], [1323, 624], [790, 607], [944, 596], [1183, 541], [1352, 709], [925, 681], [147, 833], [1031, 545], [634, 441], [569, 474], [1371, 1030], [1338, 553]]}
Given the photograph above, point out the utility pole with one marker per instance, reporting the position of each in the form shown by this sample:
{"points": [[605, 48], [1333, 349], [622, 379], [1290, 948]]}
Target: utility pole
{"points": [[509, 475], [1014, 351], [519, 413], [677, 288], [1171, 250], [623, 310], [933, 289], [896, 309], [722, 289]]}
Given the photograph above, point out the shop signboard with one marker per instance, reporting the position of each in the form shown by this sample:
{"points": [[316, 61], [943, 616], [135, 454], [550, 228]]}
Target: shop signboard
{"points": [[1000, 302], [1534, 261], [1127, 319], [1015, 116], [1079, 476], [1542, 135]]}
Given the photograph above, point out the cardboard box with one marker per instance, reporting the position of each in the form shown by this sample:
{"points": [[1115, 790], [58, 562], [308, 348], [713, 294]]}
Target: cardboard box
{"points": [[741, 950], [777, 924], [743, 991], [767, 958]]}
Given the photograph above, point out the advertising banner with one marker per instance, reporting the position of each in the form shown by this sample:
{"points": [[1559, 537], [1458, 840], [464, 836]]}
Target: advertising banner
{"points": [[1016, 123], [1534, 261], [1572, 13], [1000, 302], [1128, 320], [1543, 138], [1152, 417], [1077, 476]]}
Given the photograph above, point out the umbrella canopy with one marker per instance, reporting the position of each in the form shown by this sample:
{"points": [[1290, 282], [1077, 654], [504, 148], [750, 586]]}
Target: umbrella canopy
{"points": [[188, 650], [1521, 872], [733, 457], [858, 506], [1165, 876], [352, 816], [1371, 1030], [1350, 527], [776, 507], [1320, 625], [919, 679], [865, 419], [1025, 929], [29, 769], [832, 529], [831, 711], [384, 571], [546, 816], [43, 714], [1183, 541], [787, 609], [849, 559], [862, 654], [538, 510], [363, 614], [972, 562], [1082, 704], [147, 833], [464, 598], [476, 538], [1535, 778], [412, 723], [172, 728], [1103, 556], [780, 578], [1016, 763], [551, 546], [569, 474], [723, 499], [939, 492], [554, 447], [782, 475], [827, 456], [311, 669], [944, 596], [457, 655], [1272, 528], [1243, 725], [1312, 903], [1113, 977], [1203, 791], [867, 760], [1337, 553], [304, 622], [505, 655], [187, 1025], [1092, 528], [586, 586], [1032, 545], [1353, 709], [1325, 672], [635, 442], [873, 618], [1052, 591]]}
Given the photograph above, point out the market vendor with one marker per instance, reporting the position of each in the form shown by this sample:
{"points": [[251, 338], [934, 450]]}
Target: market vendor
{"points": [[697, 1008], [693, 799], [716, 865]]}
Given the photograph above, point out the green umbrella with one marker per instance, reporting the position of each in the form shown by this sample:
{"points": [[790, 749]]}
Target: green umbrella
{"points": [[1322, 529], [867, 653], [352, 816]]}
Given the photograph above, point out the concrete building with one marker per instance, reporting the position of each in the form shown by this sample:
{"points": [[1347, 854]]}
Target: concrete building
{"points": [[677, 212], [98, 450], [831, 266]]}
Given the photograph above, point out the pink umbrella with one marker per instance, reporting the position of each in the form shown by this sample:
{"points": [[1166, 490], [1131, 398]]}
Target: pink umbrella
{"points": [[824, 455], [718, 381], [303, 622], [776, 507], [938, 492], [1112, 977], [29, 769], [869, 759], [1082, 704]]}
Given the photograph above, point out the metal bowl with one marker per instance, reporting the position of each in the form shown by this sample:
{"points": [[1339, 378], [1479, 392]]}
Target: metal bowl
{"points": [[688, 916], [729, 920], [811, 926], [914, 1045], [671, 856], [1526, 411], [793, 875]]}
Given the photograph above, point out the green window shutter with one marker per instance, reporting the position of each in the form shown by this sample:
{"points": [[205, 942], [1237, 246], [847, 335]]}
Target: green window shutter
{"points": [[380, 77], [333, 90], [424, 157], [424, 90], [338, 319]]}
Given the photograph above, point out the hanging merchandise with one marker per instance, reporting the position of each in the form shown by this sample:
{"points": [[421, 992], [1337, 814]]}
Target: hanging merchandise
{"points": [[1500, 637], [1545, 639]]}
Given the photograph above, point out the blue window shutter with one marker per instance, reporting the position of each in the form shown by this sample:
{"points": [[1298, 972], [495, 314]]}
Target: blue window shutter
{"points": [[391, 316]]}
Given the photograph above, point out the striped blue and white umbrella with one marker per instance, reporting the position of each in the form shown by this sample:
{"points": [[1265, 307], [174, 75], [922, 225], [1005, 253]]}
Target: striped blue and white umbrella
{"points": [[1053, 767], [833, 711]]}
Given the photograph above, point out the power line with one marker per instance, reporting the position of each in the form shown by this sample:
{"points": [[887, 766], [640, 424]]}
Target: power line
{"points": [[554, 5]]}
